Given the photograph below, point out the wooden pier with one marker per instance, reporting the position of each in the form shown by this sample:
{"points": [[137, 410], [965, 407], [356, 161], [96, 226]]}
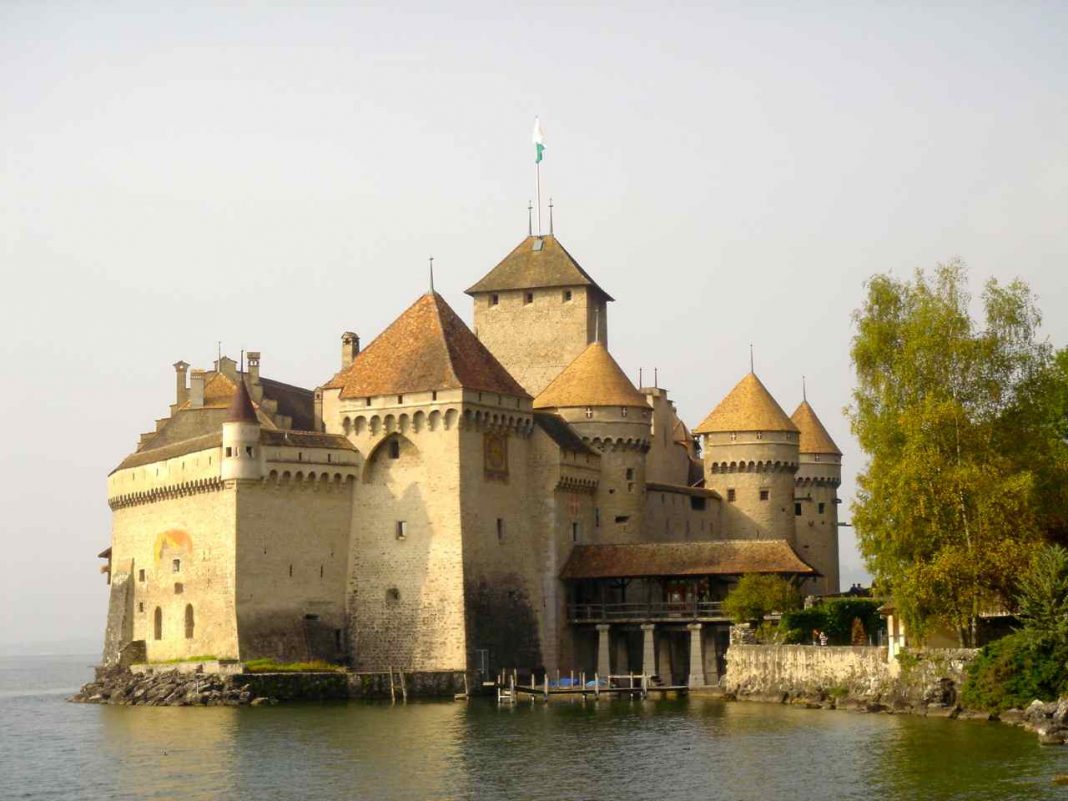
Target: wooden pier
{"points": [[630, 685]]}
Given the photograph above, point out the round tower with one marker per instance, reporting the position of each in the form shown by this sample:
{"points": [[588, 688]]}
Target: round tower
{"points": [[750, 451], [816, 500], [242, 457], [598, 400]]}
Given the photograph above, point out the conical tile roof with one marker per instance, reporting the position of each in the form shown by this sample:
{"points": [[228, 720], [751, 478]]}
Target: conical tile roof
{"points": [[427, 348], [593, 379], [538, 261], [747, 407], [241, 408], [814, 437]]}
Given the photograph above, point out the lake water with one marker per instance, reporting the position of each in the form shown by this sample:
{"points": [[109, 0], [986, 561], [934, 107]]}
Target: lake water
{"points": [[686, 749]]}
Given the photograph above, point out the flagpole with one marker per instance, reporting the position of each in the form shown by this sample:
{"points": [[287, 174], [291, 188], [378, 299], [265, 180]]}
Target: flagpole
{"points": [[537, 174]]}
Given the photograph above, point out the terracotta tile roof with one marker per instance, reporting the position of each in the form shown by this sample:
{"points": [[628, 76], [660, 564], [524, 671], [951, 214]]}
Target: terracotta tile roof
{"points": [[530, 266], [561, 433], [747, 407], [192, 445], [306, 439], [593, 379], [814, 437], [428, 347], [723, 558], [241, 408]]}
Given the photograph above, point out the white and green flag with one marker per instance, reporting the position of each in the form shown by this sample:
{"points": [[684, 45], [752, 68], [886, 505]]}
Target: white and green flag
{"points": [[539, 141]]}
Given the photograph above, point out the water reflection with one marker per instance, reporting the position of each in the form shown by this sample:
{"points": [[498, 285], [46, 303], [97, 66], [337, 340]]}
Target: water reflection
{"points": [[695, 748]]}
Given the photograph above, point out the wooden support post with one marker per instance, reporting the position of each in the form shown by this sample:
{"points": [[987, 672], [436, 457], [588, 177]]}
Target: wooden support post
{"points": [[546, 685], [596, 685], [404, 687], [392, 691]]}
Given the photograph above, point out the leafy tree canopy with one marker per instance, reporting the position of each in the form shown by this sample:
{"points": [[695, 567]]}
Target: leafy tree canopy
{"points": [[964, 424], [755, 596]]}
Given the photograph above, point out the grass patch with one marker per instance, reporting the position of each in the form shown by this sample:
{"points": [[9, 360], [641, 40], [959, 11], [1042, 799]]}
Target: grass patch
{"points": [[180, 659], [273, 666]]}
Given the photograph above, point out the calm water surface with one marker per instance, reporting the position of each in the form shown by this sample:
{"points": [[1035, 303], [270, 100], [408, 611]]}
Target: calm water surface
{"points": [[686, 749]]}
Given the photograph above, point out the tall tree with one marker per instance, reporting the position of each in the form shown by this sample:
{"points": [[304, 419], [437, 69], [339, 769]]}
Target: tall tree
{"points": [[963, 423]]}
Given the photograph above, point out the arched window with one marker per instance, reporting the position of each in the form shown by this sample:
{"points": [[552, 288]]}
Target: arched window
{"points": [[189, 621], [157, 624]]}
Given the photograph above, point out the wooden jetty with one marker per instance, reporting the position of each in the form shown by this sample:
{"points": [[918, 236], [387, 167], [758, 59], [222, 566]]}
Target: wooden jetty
{"points": [[631, 685]]}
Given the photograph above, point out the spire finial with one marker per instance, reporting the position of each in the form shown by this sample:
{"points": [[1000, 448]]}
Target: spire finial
{"points": [[431, 275], [550, 217], [751, 370], [804, 391]]}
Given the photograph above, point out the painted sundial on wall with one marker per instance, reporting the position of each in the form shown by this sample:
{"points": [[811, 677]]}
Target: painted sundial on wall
{"points": [[495, 448]]}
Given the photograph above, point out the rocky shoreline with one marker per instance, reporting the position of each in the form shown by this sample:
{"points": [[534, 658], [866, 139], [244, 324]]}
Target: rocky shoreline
{"points": [[168, 688], [1047, 720]]}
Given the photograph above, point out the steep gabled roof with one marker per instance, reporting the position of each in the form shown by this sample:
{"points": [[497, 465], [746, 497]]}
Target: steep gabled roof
{"points": [[747, 407], [538, 261], [814, 437], [427, 348], [593, 379]]}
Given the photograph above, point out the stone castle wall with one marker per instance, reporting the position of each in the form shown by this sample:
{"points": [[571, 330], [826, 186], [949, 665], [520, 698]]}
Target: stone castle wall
{"points": [[292, 566], [172, 554], [535, 341]]}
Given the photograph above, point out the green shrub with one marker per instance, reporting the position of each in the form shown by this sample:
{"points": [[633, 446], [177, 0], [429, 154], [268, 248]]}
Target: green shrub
{"points": [[755, 596], [1015, 670], [834, 616], [272, 666]]}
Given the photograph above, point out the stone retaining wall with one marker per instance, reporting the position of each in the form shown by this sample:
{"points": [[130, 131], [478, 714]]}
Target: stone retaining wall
{"points": [[805, 670]]}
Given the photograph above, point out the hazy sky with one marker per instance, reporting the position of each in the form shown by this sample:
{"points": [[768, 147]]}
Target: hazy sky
{"points": [[271, 176]]}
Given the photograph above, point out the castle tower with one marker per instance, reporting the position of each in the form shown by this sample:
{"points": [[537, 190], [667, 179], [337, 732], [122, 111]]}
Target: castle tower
{"points": [[750, 452], [595, 396], [538, 310], [242, 456], [816, 499]]}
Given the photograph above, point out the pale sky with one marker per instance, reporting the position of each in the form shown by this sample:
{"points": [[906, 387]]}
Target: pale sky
{"points": [[270, 176]]}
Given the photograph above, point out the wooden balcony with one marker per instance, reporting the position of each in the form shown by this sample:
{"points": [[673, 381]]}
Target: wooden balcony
{"points": [[649, 612]]}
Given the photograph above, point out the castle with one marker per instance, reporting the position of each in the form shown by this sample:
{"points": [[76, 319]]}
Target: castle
{"points": [[461, 501]]}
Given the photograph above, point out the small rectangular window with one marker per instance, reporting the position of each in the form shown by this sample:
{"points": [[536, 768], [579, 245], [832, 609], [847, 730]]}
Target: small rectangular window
{"points": [[400, 399], [176, 565], [697, 504], [248, 451], [394, 449], [528, 298], [402, 529], [366, 401], [797, 509], [765, 494], [730, 495], [567, 296], [734, 436], [495, 299], [141, 574], [630, 474], [623, 411], [229, 451], [622, 518], [575, 531], [140, 606], [597, 517], [500, 529], [821, 508], [589, 412], [179, 588], [434, 395]]}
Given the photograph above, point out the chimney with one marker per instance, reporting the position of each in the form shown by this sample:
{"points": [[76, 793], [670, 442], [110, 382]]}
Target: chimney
{"points": [[350, 346], [253, 357], [196, 389], [181, 393]]}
